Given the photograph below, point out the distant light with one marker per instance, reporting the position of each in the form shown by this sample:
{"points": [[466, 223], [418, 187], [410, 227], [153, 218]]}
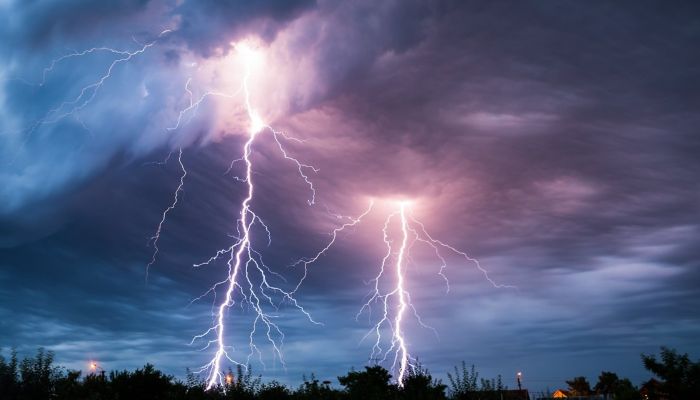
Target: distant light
{"points": [[229, 379]]}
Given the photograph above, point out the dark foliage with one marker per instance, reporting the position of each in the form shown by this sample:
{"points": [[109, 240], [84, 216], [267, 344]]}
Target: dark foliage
{"points": [[312, 390], [38, 378], [610, 385], [371, 384], [680, 377], [465, 384], [579, 386], [420, 385]]}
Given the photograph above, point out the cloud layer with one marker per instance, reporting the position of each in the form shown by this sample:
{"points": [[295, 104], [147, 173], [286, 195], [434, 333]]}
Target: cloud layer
{"points": [[555, 142]]}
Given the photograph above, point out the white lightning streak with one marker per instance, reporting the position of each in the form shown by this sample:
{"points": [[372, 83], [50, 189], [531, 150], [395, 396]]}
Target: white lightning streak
{"points": [[88, 92], [192, 109], [397, 299], [402, 353], [56, 61], [247, 273], [247, 276], [334, 235], [398, 345], [435, 242], [215, 375], [194, 105], [156, 236]]}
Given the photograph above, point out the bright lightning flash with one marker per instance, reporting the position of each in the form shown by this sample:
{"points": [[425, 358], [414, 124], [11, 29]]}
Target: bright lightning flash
{"points": [[247, 277], [396, 300]]}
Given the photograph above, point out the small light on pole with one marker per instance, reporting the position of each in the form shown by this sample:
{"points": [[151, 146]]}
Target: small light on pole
{"points": [[519, 376], [94, 367]]}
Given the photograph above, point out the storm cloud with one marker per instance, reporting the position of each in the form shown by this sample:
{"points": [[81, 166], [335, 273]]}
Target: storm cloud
{"points": [[557, 142]]}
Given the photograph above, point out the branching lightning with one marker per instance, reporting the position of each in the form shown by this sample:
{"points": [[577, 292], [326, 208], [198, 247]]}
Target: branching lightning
{"points": [[87, 93], [190, 112], [353, 221], [248, 280], [247, 276], [395, 300], [176, 196]]}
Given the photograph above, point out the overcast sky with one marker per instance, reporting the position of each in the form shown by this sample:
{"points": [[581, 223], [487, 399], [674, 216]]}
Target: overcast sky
{"points": [[555, 141]]}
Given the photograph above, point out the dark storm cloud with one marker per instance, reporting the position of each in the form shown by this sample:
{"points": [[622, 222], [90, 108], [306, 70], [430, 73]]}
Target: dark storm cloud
{"points": [[577, 143], [36, 22], [211, 24], [556, 141]]}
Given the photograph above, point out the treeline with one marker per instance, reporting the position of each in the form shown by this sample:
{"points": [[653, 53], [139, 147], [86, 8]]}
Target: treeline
{"points": [[677, 378], [38, 378]]}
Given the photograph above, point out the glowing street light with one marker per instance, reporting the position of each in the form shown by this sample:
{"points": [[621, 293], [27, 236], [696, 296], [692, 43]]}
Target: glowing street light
{"points": [[94, 367]]}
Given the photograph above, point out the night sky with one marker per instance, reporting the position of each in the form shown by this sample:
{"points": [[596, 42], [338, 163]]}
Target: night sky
{"points": [[555, 141]]}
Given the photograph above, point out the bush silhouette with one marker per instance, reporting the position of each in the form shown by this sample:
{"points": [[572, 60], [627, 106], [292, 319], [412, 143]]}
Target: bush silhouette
{"points": [[37, 378], [681, 376], [371, 384], [420, 385]]}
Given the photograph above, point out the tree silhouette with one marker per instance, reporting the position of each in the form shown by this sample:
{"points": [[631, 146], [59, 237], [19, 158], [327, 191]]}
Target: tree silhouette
{"points": [[612, 387], [463, 385], [38, 375], [312, 390], [463, 382], [579, 386], [681, 377], [143, 384], [9, 376], [242, 386], [625, 390], [420, 385], [69, 387], [273, 391], [371, 384], [607, 383], [37, 378]]}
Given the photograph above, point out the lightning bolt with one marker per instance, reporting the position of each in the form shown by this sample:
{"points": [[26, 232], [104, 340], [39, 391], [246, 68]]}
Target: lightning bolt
{"points": [[189, 113], [247, 275], [87, 93], [192, 108], [176, 196], [395, 301], [248, 279], [402, 352], [306, 262]]}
